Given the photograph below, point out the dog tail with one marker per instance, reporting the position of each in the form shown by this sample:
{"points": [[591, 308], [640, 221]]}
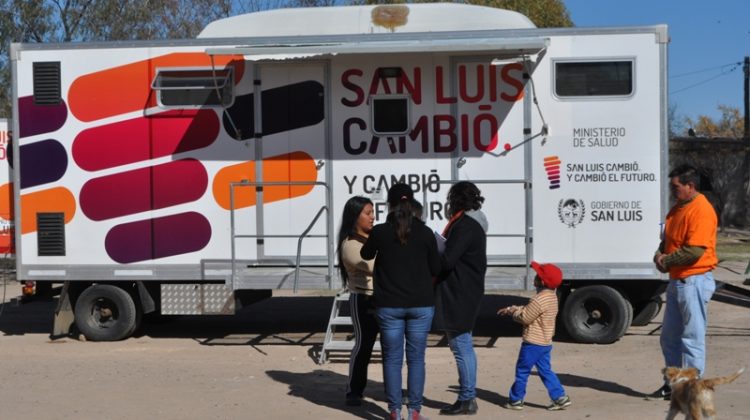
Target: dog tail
{"points": [[724, 379]]}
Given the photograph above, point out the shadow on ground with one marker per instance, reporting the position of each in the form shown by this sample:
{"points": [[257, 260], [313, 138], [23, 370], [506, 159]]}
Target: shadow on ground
{"points": [[275, 321], [575, 381], [325, 388]]}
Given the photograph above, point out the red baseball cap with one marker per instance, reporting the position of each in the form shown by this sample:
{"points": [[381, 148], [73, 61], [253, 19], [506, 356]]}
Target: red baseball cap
{"points": [[550, 274]]}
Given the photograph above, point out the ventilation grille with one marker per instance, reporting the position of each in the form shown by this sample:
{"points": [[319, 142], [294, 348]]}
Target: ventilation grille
{"points": [[50, 229], [47, 83]]}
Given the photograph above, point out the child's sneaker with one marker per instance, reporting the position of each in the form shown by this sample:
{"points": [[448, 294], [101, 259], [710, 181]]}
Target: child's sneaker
{"points": [[559, 403], [514, 405]]}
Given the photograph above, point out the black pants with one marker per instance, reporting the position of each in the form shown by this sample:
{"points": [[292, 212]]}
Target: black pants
{"points": [[365, 332]]}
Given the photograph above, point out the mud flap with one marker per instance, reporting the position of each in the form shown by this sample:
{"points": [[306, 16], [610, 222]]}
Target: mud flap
{"points": [[64, 316]]}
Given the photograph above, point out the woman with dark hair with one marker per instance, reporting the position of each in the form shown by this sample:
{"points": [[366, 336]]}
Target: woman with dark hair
{"points": [[407, 259], [460, 287], [356, 224]]}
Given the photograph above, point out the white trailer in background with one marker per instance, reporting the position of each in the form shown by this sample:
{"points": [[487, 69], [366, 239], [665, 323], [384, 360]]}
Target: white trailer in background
{"points": [[6, 193], [192, 176]]}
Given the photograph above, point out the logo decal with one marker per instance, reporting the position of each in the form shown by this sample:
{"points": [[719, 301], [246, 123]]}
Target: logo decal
{"points": [[571, 211], [552, 166]]}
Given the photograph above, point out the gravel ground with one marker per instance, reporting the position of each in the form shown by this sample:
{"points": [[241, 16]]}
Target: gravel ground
{"points": [[261, 363]]}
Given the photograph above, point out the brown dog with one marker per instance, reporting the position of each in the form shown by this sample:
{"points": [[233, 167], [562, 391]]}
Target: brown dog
{"points": [[692, 395]]}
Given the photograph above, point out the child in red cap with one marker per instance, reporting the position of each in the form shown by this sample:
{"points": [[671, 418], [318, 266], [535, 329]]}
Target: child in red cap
{"points": [[538, 320]]}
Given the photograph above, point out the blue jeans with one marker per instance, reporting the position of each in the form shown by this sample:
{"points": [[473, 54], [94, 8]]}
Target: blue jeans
{"points": [[683, 332], [466, 361], [529, 356], [395, 325]]}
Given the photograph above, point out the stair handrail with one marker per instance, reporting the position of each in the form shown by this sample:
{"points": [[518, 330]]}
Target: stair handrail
{"points": [[248, 183], [299, 247]]}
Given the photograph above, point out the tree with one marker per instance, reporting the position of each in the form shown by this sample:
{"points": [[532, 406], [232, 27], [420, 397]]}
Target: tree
{"points": [[723, 168], [729, 125], [722, 158], [250, 6], [98, 20], [676, 124], [110, 20], [162, 19], [19, 20], [544, 13]]}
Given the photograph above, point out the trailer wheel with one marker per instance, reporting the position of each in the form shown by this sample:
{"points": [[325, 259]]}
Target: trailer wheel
{"points": [[138, 321], [105, 313], [646, 311], [596, 314]]}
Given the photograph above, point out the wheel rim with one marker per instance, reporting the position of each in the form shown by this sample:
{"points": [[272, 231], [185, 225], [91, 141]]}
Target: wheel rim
{"points": [[594, 314], [104, 313]]}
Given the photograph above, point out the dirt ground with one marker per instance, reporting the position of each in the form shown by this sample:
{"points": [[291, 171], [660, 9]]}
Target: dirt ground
{"points": [[262, 363]]}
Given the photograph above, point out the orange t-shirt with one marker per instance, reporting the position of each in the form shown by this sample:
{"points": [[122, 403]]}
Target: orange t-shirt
{"points": [[692, 224]]}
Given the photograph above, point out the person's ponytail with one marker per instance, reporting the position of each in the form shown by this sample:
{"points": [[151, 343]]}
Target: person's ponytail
{"points": [[403, 213], [401, 210]]}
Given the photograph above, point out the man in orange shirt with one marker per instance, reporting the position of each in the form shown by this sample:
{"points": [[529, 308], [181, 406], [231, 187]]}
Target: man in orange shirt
{"points": [[688, 253]]}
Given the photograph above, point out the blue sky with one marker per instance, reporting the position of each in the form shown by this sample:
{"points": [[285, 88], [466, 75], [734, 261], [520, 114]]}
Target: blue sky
{"points": [[708, 37]]}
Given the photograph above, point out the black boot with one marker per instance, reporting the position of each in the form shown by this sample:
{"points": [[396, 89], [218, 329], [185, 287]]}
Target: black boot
{"points": [[663, 393], [460, 407]]}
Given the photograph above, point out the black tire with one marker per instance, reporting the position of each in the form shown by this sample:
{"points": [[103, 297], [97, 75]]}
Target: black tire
{"points": [[644, 312], [138, 320], [596, 314], [105, 313]]}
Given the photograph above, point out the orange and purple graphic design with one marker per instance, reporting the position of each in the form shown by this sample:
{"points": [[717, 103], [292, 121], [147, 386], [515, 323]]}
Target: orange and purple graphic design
{"points": [[144, 189], [159, 237], [552, 166], [127, 88], [42, 162], [145, 138], [291, 167], [39, 119], [138, 141], [305, 98]]}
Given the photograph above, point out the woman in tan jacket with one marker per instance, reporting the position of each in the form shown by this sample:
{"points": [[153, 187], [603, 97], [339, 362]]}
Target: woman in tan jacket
{"points": [[356, 224]]}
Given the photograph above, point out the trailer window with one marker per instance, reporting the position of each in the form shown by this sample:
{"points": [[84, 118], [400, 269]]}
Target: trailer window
{"points": [[181, 88], [594, 78], [390, 114]]}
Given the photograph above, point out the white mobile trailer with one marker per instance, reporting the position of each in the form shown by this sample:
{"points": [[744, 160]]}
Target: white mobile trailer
{"points": [[188, 176]]}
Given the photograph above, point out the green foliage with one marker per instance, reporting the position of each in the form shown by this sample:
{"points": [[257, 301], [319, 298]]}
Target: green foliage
{"points": [[20, 20], [157, 19], [544, 13]]}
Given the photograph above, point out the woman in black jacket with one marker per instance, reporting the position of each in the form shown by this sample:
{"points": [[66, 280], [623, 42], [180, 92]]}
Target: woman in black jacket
{"points": [[406, 259], [460, 287]]}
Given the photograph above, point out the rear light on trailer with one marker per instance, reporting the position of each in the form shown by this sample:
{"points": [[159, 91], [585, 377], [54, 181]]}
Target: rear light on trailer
{"points": [[28, 288]]}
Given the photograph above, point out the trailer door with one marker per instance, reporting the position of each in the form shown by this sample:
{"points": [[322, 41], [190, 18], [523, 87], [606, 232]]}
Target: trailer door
{"points": [[291, 151], [492, 153]]}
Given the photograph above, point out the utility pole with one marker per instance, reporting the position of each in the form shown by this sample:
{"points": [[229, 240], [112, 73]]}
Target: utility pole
{"points": [[746, 139], [746, 68]]}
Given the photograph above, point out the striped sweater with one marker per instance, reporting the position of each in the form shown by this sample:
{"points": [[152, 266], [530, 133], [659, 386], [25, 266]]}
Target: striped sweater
{"points": [[538, 318]]}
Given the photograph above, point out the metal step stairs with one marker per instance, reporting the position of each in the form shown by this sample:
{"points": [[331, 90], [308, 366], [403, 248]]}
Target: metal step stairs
{"points": [[333, 341], [733, 295]]}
